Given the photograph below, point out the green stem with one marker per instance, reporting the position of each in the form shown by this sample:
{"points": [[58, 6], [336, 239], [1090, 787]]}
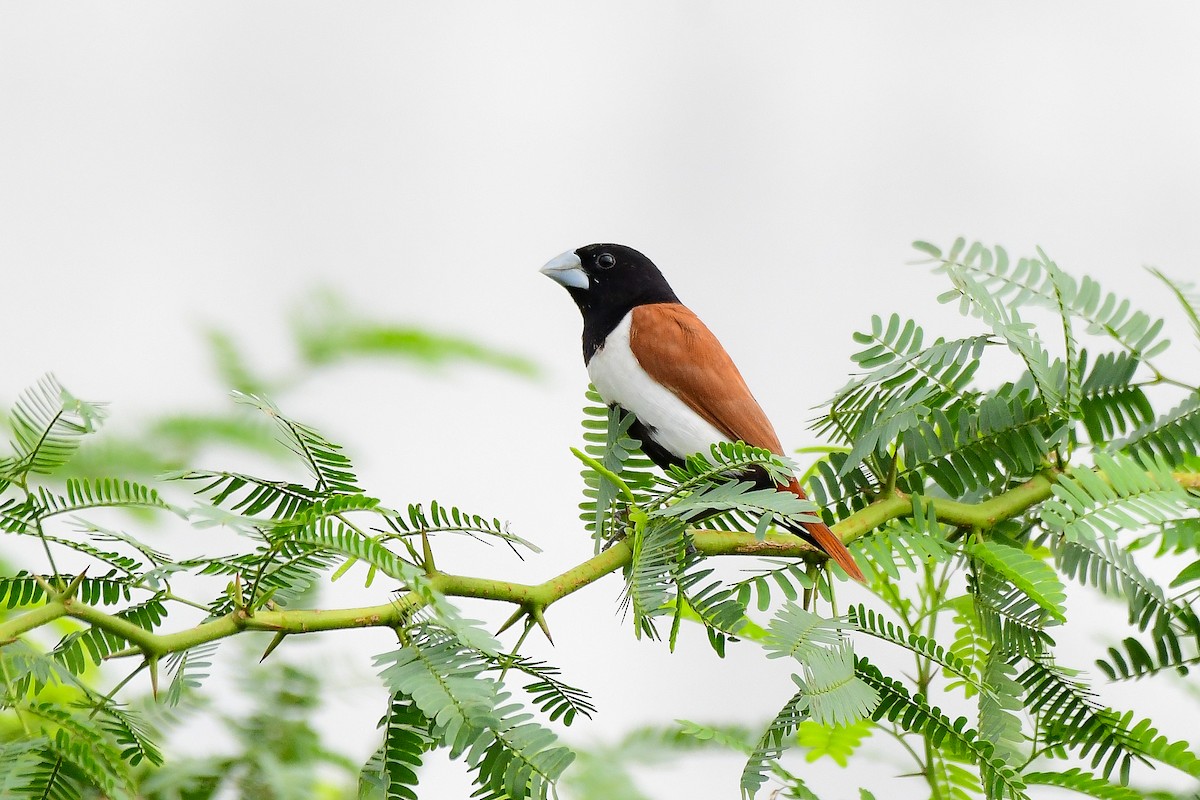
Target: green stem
{"points": [[395, 614]]}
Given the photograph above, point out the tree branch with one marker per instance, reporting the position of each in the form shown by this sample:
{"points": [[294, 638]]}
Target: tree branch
{"points": [[534, 598]]}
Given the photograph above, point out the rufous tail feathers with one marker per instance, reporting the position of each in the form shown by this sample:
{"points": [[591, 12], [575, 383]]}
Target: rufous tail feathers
{"points": [[828, 541]]}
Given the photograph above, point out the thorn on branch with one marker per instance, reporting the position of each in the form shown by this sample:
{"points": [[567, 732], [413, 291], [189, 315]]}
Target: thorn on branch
{"points": [[275, 642], [73, 586], [152, 664], [46, 587], [538, 617], [535, 614], [62, 593], [128, 651], [427, 553], [517, 615]]}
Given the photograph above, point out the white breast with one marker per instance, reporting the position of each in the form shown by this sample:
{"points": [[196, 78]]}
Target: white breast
{"points": [[620, 379]]}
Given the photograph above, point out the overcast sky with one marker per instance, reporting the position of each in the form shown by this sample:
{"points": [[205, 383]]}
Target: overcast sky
{"points": [[168, 165]]}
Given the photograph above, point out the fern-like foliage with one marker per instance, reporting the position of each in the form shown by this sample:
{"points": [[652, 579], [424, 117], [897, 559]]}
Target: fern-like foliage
{"points": [[1068, 715], [790, 577], [1038, 281], [189, 669], [1111, 404], [1113, 570], [558, 700], [904, 544], [955, 777], [330, 468], [838, 742], [441, 518], [472, 715], [1172, 436], [999, 722], [250, 495], [47, 424], [1186, 294], [89, 647], [1078, 780], [1005, 437], [1031, 576], [74, 753], [606, 439], [1120, 494], [871, 622], [841, 492], [1007, 616], [405, 739], [1168, 650], [904, 382], [915, 425], [771, 744], [704, 483], [24, 589], [912, 713], [658, 558]]}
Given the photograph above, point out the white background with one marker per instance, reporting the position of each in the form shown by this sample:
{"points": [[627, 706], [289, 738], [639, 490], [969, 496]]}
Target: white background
{"points": [[164, 166]]}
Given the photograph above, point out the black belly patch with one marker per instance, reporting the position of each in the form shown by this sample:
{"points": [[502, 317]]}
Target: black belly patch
{"points": [[654, 451]]}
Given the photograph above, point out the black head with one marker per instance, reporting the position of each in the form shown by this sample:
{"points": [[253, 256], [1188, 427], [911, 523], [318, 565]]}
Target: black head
{"points": [[607, 281], [609, 278]]}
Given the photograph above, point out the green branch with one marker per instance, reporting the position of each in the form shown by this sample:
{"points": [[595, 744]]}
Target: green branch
{"points": [[531, 598]]}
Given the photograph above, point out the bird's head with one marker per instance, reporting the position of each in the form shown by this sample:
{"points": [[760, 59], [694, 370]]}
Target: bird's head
{"points": [[609, 278]]}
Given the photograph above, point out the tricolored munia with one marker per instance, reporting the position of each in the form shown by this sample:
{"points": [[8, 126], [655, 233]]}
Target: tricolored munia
{"points": [[649, 354]]}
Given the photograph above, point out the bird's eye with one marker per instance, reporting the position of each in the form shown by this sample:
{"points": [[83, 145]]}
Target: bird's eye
{"points": [[606, 261]]}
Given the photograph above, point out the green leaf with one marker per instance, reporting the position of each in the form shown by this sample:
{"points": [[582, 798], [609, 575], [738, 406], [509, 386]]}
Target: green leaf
{"points": [[47, 424], [1111, 405], [657, 558], [1172, 436], [838, 742], [405, 739], [189, 669], [329, 331], [556, 699], [1187, 296], [1020, 336], [331, 469], [470, 713], [1030, 280], [738, 496], [772, 743], [913, 714], [1068, 715], [1005, 437], [1113, 569], [1036, 579], [1188, 574], [82, 494], [998, 708], [1168, 650], [1082, 782], [718, 607], [800, 634], [1120, 494], [1007, 616], [873, 623], [606, 439], [250, 495], [836, 694], [903, 378]]}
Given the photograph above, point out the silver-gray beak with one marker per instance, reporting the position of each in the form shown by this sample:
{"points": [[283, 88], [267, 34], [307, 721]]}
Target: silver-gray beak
{"points": [[567, 270]]}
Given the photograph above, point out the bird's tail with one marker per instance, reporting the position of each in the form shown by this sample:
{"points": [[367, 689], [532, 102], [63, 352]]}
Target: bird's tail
{"points": [[827, 540]]}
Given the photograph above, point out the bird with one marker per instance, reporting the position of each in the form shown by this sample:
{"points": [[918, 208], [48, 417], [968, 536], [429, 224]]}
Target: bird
{"points": [[649, 354]]}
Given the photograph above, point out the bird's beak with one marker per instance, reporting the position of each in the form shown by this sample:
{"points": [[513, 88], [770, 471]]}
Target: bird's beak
{"points": [[567, 270]]}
